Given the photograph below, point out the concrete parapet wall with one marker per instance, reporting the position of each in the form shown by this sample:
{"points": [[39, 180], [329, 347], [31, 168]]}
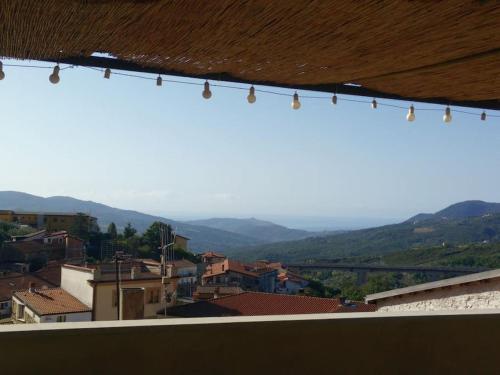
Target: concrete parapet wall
{"points": [[353, 343]]}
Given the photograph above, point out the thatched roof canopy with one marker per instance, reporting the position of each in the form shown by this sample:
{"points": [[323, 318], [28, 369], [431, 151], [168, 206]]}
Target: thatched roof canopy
{"points": [[437, 51]]}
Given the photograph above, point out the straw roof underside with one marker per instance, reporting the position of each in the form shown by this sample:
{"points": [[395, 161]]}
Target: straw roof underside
{"points": [[421, 49]]}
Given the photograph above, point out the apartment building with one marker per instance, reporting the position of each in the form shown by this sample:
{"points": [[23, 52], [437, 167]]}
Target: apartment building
{"points": [[52, 221]]}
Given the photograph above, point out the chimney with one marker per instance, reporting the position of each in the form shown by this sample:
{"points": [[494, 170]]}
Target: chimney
{"points": [[31, 287]]}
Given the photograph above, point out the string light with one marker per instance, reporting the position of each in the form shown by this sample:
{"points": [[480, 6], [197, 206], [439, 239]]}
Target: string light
{"points": [[447, 115], [207, 94], [159, 81], [251, 98], [411, 114], [54, 77], [295, 101]]}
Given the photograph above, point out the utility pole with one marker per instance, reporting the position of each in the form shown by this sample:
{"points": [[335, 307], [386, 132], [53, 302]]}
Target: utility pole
{"points": [[118, 258]]}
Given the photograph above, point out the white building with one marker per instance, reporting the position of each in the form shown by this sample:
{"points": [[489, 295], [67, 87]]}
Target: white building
{"points": [[48, 306], [475, 291]]}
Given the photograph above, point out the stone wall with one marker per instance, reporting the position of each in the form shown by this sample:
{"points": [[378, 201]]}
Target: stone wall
{"points": [[480, 295]]}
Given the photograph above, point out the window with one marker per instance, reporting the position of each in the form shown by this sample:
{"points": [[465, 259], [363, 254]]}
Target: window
{"points": [[61, 318], [153, 295], [20, 312]]}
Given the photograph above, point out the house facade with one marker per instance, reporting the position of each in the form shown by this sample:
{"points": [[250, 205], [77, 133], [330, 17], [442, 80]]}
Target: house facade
{"points": [[52, 221], [96, 287]]}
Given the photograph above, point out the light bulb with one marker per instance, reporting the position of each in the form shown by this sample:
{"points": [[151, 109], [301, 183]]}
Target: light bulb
{"points": [[251, 98], [411, 114], [374, 104], [54, 77], [2, 74], [447, 115], [295, 101], [207, 94], [483, 116], [159, 81], [107, 73], [334, 99]]}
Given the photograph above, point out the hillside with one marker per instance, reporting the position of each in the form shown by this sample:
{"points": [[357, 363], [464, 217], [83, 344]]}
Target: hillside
{"points": [[381, 240], [259, 229], [460, 210], [202, 237]]}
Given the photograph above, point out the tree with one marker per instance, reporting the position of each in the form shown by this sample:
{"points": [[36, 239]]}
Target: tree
{"points": [[151, 238], [129, 231], [113, 233], [80, 227]]}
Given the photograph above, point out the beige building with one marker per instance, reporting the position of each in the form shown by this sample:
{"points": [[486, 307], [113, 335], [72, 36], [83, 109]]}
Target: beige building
{"points": [[475, 291], [96, 287], [52, 221]]}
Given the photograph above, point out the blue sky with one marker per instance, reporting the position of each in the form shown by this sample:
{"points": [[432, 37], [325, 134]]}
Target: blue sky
{"points": [[127, 143]]}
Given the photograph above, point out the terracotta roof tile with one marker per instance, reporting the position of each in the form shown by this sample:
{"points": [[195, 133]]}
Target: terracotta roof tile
{"points": [[253, 303], [51, 301], [10, 284]]}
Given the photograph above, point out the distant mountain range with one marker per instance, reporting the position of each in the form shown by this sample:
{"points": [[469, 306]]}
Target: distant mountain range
{"points": [[461, 223], [258, 229], [216, 234]]}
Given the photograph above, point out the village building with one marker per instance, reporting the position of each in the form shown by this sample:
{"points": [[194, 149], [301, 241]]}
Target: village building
{"points": [[182, 242], [51, 221], [234, 273], [474, 291], [49, 305], [184, 271], [210, 257], [254, 303], [96, 287], [51, 245]]}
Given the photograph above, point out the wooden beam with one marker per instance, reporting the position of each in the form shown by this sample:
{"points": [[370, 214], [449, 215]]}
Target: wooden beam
{"points": [[339, 88]]}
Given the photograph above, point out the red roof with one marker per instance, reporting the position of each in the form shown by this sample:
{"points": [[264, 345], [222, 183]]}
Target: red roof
{"points": [[212, 254], [51, 301], [253, 303], [14, 282]]}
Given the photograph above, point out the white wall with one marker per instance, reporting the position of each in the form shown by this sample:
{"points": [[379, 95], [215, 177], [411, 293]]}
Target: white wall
{"points": [[485, 295], [75, 283], [73, 317]]}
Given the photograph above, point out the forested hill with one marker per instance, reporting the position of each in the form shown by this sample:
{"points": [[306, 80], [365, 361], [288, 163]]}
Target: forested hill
{"points": [[202, 237], [381, 240]]}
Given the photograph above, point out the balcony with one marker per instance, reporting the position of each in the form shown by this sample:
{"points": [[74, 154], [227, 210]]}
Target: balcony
{"points": [[298, 344]]}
